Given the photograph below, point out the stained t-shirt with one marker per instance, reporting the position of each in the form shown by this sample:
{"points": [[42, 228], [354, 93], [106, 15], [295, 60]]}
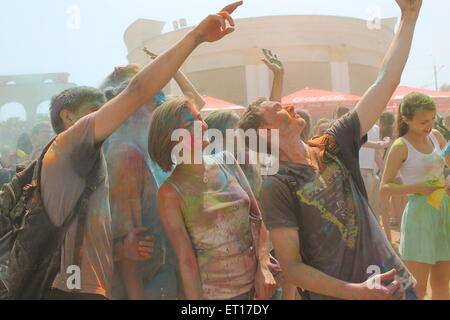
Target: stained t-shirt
{"points": [[339, 234], [133, 201], [219, 225], [65, 170]]}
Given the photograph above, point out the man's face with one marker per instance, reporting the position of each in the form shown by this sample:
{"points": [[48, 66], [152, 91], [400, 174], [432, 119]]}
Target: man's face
{"points": [[86, 109], [70, 118], [285, 119]]}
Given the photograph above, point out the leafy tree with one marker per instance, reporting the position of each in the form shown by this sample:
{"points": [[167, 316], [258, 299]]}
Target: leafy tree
{"points": [[445, 87], [11, 129]]}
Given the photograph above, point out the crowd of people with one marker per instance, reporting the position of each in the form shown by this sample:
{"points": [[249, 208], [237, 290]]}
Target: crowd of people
{"points": [[320, 228]]}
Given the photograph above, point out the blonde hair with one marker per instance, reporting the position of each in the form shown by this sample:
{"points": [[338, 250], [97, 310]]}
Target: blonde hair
{"points": [[119, 75], [166, 119]]}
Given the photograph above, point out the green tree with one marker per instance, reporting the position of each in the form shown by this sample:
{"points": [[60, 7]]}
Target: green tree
{"points": [[445, 88], [10, 130]]}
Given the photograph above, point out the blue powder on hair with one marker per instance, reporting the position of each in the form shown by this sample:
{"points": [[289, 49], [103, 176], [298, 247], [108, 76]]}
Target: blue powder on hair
{"points": [[159, 98]]}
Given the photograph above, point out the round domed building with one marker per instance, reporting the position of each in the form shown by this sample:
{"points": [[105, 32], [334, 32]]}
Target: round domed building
{"points": [[324, 52]]}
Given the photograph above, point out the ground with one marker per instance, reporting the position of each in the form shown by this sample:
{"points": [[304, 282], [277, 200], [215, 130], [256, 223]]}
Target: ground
{"points": [[395, 233]]}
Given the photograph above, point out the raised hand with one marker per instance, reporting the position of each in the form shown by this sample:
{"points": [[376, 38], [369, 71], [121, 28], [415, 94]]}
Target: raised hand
{"points": [[152, 55], [272, 62], [214, 27], [231, 7], [410, 7]]}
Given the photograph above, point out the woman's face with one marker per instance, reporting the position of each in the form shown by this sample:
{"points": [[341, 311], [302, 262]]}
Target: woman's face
{"points": [[190, 117], [422, 123]]}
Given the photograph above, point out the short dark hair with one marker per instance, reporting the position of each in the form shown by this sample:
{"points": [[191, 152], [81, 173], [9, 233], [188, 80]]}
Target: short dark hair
{"points": [[119, 75], [222, 120], [253, 116], [71, 100], [253, 119]]}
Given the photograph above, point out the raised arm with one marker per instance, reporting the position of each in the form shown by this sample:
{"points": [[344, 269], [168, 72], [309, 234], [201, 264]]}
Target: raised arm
{"points": [[276, 66], [189, 90], [375, 100], [156, 75], [185, 85]]}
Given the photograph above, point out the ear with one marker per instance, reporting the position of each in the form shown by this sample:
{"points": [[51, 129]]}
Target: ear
{"points": [[67, 117], [405, 119]]}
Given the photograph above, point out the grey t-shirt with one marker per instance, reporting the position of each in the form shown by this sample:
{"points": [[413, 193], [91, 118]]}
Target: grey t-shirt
{"points": [[65, 169], [339, 234]]}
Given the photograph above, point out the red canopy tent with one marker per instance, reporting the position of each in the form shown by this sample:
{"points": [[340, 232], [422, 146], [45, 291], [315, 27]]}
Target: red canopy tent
{"points": [[442, 99], [320, 103], [213, 104]]}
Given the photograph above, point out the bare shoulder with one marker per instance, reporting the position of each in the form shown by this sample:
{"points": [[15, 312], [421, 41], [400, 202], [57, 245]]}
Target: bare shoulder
{"points": [[399, 149], [439, 137], [167, 191]]}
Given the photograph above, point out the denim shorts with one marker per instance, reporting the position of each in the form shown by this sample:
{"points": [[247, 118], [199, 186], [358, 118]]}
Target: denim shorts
{"points": [[411, 294]]}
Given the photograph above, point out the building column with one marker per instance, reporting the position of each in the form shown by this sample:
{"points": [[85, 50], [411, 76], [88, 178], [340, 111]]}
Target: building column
{"points": [[31, 112], [175, 89], [257, 75], [339, 67]]}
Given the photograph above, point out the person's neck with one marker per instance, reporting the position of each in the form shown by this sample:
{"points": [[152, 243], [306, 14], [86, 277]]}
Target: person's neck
{"points": [[417, 138], [191, 169], [293, 149]]}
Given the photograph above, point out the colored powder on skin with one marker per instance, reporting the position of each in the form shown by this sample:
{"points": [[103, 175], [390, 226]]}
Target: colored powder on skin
{"points": [[380, 77], [398, 143], [291, 265]]}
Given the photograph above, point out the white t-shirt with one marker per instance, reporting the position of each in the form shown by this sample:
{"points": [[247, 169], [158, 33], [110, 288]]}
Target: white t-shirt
{"points": [[367, 155]]}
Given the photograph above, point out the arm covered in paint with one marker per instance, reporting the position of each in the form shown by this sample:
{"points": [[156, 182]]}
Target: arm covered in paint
{"points": [[276, 66], [185, 85], [173, 223], [287, 247], [189, 90], [376, 98], [148, 82]]}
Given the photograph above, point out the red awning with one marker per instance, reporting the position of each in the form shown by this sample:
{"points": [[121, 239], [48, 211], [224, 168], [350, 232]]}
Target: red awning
{"points": [[320, 102], [442, 99], [217, 104]]}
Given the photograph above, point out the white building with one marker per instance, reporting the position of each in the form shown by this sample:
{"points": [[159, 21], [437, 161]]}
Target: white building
{"points": [[323, 52]]}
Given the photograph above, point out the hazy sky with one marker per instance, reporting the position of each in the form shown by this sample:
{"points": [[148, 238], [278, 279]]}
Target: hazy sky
{"points": [[37, 37]]}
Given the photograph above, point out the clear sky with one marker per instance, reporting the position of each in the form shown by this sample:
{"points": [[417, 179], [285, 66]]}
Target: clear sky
{"points": [[40, 37]]}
